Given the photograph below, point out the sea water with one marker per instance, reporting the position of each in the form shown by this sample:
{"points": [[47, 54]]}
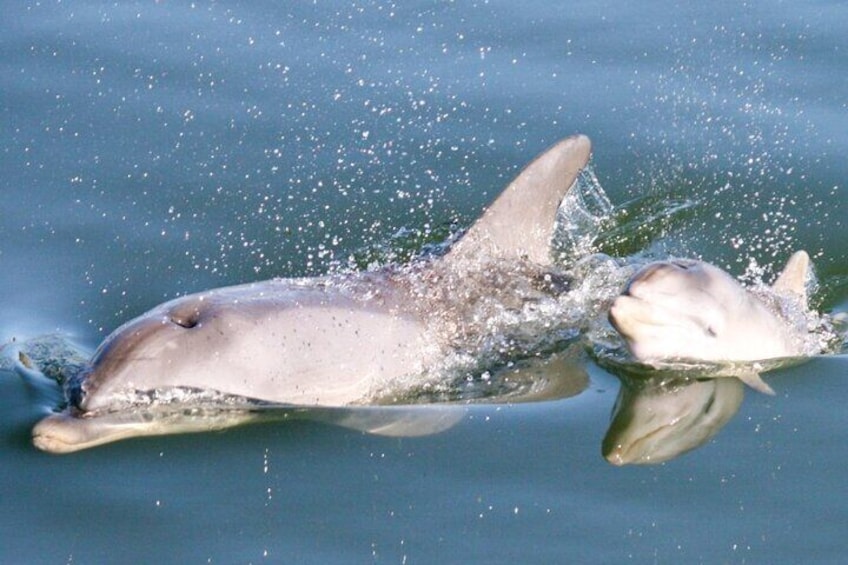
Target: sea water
{"points": [[152, 149]]}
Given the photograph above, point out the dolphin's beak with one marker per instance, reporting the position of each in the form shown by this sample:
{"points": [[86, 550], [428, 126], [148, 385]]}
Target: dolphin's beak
{"points": [[621, 312]]}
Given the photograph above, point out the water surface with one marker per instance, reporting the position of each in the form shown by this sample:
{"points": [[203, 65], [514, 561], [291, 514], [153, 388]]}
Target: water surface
{"points": [[155, 149]]}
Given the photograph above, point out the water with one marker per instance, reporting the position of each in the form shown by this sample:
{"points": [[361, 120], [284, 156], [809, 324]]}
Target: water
{"points": [[155, 149]]}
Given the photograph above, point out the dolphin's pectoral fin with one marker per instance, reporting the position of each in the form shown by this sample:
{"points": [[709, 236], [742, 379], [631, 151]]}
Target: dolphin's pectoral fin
{"points": [[793, 278], [392, 421], [521, 221], [755, 381]]}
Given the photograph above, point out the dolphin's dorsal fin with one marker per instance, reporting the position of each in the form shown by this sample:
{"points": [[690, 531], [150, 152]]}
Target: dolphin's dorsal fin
{"points": [[520, 222], [793, 278]]}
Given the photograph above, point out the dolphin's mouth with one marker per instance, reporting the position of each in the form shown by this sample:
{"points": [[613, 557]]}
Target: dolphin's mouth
{"points": [[642, 449], [630, 307], [614, 319], [175, 399], [67, 431]]}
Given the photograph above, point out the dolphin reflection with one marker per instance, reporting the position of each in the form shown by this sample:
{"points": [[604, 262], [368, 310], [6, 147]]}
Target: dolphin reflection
{"points": [[660, 416]]}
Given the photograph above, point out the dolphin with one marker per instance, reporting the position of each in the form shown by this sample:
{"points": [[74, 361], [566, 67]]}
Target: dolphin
{"points": [[688, 310], [339, 340]]}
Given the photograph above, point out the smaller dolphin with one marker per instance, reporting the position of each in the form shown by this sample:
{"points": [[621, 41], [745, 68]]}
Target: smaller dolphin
{"points": [[687, 310]]}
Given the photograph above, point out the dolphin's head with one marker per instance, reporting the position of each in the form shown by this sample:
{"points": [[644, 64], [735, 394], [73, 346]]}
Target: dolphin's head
{"points": [[687, 309], [177, 344], [287, 341]]}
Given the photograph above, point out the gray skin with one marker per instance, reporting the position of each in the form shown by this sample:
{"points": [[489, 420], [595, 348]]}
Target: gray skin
{"points": [[330, 341]]}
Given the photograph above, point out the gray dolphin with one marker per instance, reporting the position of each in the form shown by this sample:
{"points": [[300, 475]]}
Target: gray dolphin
{"points": [[332, 341], [687, 310]]}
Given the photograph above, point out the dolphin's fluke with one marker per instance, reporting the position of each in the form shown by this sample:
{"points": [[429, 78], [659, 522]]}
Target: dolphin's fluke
{"points": [[520, 222], [793, 278]]}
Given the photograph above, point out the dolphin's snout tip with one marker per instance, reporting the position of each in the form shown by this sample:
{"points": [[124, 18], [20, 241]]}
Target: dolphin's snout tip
{"points": [[612, 314], [617, 312], [53, 434]]}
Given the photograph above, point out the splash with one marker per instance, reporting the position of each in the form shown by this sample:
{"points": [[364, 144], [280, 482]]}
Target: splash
{"points": [[739, 141], [650, 225], [816, 333], [582, 215], [56, 356]]}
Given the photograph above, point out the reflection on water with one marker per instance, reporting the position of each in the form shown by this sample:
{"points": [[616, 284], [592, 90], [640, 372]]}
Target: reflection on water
{"points": [[659, 417]]}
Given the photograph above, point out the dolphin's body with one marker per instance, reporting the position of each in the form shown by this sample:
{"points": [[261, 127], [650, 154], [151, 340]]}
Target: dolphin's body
{"points": [[687, 310], [331, 341]]}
